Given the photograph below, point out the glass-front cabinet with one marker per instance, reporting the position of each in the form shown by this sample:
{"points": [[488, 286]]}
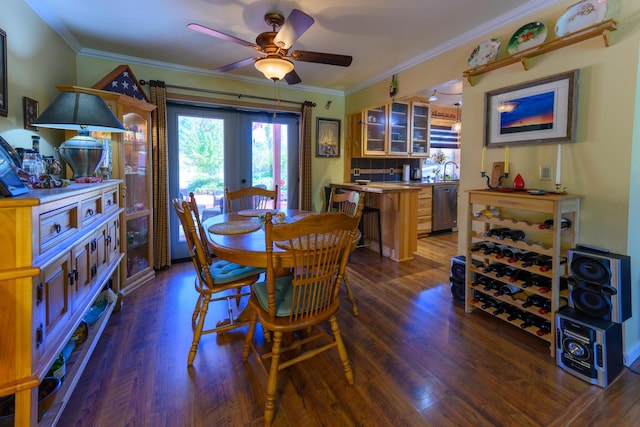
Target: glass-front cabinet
{"points": [[399, 128], [420, 129], [130, 161], [375, 128]]}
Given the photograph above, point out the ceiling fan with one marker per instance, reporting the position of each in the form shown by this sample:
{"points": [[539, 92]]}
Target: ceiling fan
{"points": [[274, 59]]}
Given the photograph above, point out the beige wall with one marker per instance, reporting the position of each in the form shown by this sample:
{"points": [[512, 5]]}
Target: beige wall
{"points": [[599, 166], [37, 61]]}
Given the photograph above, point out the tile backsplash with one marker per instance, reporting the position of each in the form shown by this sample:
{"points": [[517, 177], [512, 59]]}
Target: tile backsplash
{"points": [[380, 170]]}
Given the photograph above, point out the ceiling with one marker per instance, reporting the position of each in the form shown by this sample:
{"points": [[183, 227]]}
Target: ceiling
{"points": [[383, 36]]}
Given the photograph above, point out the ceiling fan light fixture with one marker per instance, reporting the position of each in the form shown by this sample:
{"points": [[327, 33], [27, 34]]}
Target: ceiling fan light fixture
{"points": [[433, 97], [274, 68]]}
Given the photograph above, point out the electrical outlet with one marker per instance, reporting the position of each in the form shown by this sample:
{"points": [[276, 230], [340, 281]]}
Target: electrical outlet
{"points": [[391, 171], [356, 172], [546, 172]]}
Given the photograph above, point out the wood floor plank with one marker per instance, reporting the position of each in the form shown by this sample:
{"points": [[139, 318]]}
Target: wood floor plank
{"points": [[418, 360]]}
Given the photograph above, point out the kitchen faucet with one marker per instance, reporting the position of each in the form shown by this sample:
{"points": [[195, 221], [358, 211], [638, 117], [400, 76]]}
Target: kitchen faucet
{"points": [[444, 170]]}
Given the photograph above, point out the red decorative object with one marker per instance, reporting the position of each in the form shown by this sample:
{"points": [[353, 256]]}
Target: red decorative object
{"points": [[518, 182]]}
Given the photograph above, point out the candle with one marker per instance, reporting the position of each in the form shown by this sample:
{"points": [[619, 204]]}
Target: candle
{"points": [[558, 164], [506, 160], [484, 155]]}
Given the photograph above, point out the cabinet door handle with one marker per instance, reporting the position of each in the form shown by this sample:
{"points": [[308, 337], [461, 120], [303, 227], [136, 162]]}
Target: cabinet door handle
{"points": [[56, 228], [39, 335], [90, 212], [39, 293], [94, 270], [109, 202]]}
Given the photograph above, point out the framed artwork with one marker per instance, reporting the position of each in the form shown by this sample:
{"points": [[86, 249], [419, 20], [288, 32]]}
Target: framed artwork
{"points": [[328, 138], [536, 112], [4, 99], [30, 109]]}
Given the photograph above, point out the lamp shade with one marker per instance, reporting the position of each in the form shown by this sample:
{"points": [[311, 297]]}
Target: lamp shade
{"points": [[274, 67], [79, 111]]}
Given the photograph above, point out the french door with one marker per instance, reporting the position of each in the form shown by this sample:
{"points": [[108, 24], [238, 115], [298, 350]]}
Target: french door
{"points": [[213, 148]]}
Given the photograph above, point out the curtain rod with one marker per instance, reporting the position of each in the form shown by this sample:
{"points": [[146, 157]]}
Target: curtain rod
{"points": [[237, 95]]}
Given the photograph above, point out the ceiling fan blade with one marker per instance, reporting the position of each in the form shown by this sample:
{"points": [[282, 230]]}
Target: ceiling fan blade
{"points": [[292, 78], [237, 64], [214, 33], [322, 58], [294, 26]]}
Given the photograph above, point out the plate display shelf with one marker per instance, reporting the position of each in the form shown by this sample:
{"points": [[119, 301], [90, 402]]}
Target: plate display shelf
{"points": [[600, 29], [522, 212]]}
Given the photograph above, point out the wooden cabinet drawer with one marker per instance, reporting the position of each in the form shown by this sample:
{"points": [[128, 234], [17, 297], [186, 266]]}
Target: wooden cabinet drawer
{"points": [[425, 193], [424, 224], [90, 209], [56, 225], [424, 205], [523, 203], [110, 200]]}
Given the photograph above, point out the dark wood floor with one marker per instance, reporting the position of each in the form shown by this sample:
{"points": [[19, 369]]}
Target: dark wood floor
{"points": [[418, 359]]}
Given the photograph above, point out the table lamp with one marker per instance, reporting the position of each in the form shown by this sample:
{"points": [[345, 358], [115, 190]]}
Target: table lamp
{"points": [[85, 113]]}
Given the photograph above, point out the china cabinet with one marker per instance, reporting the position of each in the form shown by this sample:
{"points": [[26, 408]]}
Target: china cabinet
{"points": [[61, 252], [519, 257], [131, 161]]}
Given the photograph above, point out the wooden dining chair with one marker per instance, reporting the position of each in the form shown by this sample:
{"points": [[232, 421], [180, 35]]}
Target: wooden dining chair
{"points": [[213, 283], [217, 266], [318, 247], [351, 203], [251, 198]]}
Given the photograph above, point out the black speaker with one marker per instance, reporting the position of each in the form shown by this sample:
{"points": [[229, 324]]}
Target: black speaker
{"points": [[600, 283], [457, 277], [589, 348]]}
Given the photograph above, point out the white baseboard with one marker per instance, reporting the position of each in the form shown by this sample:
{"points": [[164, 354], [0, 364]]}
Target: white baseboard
{"points": [[631, 354]]}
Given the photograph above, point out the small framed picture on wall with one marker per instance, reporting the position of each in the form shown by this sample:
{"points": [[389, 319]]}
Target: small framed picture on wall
{"points": [[4, 99], [328, 138], [30, 107]]}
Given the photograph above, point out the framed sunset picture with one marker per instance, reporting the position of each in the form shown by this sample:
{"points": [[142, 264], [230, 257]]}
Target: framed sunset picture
{"points": [[536, 112]]}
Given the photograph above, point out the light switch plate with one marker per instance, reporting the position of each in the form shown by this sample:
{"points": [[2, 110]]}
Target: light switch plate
{"points": [[546, 171]]}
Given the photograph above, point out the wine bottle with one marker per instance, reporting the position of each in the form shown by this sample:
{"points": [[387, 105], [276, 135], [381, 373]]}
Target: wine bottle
{"points": [[529, 320], [514, 313], [546, 307], [565, 224], [501, 308], [59, 367], [502, 233], [544, 328], [525, 256], [520, 276], [495, 232], [508, 289], [481, 246], [489, 213]]}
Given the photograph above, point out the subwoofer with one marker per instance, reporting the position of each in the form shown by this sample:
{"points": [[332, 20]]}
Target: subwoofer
{"points": [[457, 277], [600, 284], [589, 348]]}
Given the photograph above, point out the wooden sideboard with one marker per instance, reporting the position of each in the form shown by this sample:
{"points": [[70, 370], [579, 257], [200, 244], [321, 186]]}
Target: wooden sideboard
{"points": [[61, 249]]}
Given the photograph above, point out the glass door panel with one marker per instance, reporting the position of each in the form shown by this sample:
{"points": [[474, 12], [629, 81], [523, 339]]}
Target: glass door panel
{"points": [[135, 163], [375, 125], [398, 127]]}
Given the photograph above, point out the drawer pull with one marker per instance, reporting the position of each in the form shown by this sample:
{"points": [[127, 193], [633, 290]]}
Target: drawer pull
{"points": [[94, 245], [109, 202], [94, 270], [56, 228], [39, 335], [90, 212], [39, 293], [108, 240]]}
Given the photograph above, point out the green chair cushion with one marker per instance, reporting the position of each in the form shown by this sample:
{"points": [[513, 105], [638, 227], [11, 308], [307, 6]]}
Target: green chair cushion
{"points": [[283, 295], [225, 271]]}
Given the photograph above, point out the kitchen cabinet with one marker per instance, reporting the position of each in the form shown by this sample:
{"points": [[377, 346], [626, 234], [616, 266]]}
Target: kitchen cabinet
{"points": [[398, 129], [56, 260], [131, 162], [516, 261], [420, 129], [424, 210]]}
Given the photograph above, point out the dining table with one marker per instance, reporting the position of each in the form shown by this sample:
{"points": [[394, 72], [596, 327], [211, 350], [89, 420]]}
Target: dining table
{"points": [[239, 237]]}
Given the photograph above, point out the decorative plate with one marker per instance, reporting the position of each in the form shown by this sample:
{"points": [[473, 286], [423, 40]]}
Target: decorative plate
{"points": [[255, 212], [581, 15], [235, 227], [527, 36], [485, 52]]}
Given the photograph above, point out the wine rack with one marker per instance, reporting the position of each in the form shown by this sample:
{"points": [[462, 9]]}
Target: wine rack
{"points": [[513, 275]]}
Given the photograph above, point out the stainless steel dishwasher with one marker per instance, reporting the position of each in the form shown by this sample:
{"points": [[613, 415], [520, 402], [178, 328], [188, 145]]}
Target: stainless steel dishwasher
{"points": [[445, 207]]}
